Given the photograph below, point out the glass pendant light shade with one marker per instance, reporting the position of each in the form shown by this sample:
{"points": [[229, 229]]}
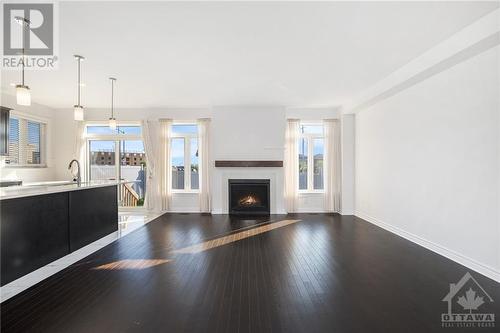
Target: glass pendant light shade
{"points": [[78, 114], [23, 95], [112, 123]]}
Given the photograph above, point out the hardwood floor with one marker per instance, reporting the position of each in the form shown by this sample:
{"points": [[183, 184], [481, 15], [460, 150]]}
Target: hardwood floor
{"points": [[202, 273]]}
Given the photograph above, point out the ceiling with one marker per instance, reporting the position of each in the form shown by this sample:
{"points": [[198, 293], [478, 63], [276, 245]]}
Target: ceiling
{"points": [[223, 53]]}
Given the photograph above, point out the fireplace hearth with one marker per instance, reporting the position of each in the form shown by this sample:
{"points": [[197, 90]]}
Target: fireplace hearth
{"points": [[249, 196]]}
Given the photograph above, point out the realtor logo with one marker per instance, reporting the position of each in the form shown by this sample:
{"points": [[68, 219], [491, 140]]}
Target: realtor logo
{"points": [[38, 36], [467, 305], [29, 29]]}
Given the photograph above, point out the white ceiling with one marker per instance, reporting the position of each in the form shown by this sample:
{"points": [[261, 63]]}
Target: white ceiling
{"points": [[195, 54]]}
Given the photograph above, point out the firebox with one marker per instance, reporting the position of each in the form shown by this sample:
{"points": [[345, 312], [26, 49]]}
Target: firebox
{"points": [[249, 196]]}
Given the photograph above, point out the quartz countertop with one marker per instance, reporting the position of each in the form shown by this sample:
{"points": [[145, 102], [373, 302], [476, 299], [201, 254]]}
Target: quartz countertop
{"points": [[41, 188]]}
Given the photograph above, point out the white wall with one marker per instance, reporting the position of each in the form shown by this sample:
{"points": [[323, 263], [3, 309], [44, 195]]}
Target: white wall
{"points": [[428, 165], [348, 163], [64, 142], [27, 174], [247, 133]]}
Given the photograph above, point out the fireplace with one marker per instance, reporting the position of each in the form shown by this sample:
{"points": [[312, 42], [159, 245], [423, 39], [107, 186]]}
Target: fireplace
{"points": [[249, 196]]}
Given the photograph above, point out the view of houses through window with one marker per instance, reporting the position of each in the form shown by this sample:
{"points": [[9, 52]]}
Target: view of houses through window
{"points": [[25, 142], [311, 156], [184, 149], [119, 154]]}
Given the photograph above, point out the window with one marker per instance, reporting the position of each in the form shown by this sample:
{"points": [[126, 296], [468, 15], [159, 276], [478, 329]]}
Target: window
{"points": [[178, 163], [303, 152], [184, 159], [311, 153], [26, 138], [118, 154], [120, 130]]}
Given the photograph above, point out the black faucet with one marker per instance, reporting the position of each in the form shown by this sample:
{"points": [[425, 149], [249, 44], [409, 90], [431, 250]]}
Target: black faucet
{"points": [[78, 179]]}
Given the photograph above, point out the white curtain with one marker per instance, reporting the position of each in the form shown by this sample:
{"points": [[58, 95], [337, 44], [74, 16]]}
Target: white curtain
{"points": [[204, 164], [291, 165], [163, 164], [151, 147], [332, 165], [81, 149]]}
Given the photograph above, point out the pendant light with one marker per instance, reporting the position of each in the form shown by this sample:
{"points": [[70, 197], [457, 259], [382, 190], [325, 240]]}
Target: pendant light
{"points": [[23, 94], [78, 108], [112, 120]]}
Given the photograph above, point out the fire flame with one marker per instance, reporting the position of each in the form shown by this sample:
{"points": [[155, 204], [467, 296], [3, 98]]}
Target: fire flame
{"points": [[249, 200]]}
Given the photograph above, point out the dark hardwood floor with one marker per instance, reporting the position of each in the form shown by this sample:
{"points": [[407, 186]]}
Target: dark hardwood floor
{"points": [[202, 273]]}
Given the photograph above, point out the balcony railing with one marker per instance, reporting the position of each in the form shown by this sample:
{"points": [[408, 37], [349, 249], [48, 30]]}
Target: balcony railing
{"points": [[129, 197]]}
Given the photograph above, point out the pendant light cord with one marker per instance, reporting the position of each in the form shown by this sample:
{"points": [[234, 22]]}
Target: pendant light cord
{"points": [[79, 84], [22, 61], [112, 95]]}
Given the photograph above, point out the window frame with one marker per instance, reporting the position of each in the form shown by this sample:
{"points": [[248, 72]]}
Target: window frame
{"points": [[310, 137], [117, 138], [44, 130], [187, 156]]}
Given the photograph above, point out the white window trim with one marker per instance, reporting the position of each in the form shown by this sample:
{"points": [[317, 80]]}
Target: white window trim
{"points": [[187, 157], [310, 159], [108, 137], [112, 136], [44, 130]]}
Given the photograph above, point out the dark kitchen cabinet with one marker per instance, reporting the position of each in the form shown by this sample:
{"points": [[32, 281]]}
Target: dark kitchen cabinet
{"points": [[37, 230]]}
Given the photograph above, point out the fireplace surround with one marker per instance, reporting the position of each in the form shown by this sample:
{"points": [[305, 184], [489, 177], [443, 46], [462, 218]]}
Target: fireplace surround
{"points": [[249, 196]]}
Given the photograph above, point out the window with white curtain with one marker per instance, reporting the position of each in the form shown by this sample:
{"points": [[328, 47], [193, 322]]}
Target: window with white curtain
{"points": [[26, 142], [184, 157], [311, 156]]}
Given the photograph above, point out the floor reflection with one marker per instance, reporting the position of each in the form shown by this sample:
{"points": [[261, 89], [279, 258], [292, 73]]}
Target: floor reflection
{"points": [[130, 221], [233, 237], [134, 264]]}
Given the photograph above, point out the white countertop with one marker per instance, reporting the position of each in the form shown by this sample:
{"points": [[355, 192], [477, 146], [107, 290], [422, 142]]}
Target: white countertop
{"points": [[32, 189]]}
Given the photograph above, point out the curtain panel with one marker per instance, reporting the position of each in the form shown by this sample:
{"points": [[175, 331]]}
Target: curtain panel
{"points": [[332, 165], [152, 200], [205, 166], [291, 165], [163, 164]]}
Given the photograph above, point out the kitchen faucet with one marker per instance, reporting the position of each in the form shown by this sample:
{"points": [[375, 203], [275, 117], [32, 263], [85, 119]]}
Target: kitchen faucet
{"points": [[78, 179]]}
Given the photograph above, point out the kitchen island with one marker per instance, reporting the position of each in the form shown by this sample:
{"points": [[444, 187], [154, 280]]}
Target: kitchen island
{"points": [[44, 222]]}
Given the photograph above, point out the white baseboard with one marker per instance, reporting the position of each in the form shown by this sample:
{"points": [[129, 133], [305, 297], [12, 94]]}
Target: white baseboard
{"points": [[190, 211], [474, 265], [306, 210]]}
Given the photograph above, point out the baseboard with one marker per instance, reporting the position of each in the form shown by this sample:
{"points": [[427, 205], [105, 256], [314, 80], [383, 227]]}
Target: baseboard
{"points": [[305, 210], [445, 252], [190, 211]]}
